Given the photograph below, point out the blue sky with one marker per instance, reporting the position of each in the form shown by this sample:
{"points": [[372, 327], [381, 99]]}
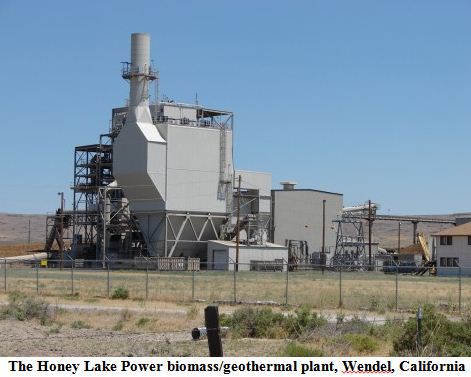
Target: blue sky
{"points": [[369, 98]]}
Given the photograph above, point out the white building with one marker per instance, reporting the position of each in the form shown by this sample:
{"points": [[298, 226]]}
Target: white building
{"points": [[174, 163], [453, 250], [268, 257]]}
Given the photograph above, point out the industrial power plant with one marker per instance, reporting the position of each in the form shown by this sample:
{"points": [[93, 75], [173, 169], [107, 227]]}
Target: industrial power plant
{"points": [[161, 184]]}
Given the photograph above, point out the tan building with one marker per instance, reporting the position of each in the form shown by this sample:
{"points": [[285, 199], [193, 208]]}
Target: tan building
{"points": [[453, 250]]}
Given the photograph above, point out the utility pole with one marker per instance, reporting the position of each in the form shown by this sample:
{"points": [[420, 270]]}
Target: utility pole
{"points": [[369, 234], [399, 237], [323, 236], [29, 231], [236, 267], [61, 230]]}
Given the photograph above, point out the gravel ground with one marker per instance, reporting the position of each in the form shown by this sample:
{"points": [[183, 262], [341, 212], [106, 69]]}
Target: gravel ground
{"points": [[28, 338]]}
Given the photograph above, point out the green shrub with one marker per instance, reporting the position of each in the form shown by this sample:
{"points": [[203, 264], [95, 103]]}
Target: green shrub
{"points": [[79, 325], [295, 349], [142, 321], [264, 323], [303, 321], [54, 329], [120, 293], [255, 323], [23, 307], [440, 336], [362, 343]]}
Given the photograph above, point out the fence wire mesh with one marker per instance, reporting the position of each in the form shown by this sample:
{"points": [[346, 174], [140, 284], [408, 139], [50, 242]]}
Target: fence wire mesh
{"points": [[281, 284]]}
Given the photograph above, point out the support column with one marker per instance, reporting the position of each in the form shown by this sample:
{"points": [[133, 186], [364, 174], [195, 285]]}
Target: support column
{"points": [[414, 232]]}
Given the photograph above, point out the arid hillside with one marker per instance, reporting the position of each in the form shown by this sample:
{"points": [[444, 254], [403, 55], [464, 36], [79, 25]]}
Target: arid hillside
{"points": [[14, 231], [14, 228]]}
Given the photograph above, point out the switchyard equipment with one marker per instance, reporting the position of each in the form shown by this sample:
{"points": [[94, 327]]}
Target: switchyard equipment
{"points": [[350, 251]]}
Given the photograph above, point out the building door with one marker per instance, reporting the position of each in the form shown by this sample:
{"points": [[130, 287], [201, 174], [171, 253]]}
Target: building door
{"points": [[220, 260]]}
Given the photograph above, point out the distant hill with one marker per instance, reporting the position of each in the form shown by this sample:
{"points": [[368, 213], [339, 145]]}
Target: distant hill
{"points": [[14, 229]]}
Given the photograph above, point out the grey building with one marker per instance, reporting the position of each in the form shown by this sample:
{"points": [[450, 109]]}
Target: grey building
{"points": [[297, 218]]}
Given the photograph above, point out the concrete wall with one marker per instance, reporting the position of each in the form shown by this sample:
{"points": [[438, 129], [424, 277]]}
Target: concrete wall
{"points": [[459, 249], [297, 215], [258, 181]]}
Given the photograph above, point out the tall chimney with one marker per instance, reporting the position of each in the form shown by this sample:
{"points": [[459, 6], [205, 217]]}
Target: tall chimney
{"points": [[140, 68], [139, 73]]}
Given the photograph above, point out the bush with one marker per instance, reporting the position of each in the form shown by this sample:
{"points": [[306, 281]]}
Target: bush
{"points": [[255, 323], [142, 322], [304, 320], [79, 325], [120, 293], [362, 343], [440, 336], [264, 323], [23, 307], [294, 349]]}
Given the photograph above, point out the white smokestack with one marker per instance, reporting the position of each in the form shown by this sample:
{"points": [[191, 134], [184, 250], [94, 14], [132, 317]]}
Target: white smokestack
{"points": [[140, 69], [139, 73]]}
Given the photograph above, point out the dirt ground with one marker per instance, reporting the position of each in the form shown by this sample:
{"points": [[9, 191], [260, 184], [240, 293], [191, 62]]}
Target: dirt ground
{"points": [[131, 328], [118, 328], [29, 338]]}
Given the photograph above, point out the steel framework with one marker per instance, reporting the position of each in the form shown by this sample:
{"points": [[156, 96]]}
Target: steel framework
{"points": [[100, 217]]}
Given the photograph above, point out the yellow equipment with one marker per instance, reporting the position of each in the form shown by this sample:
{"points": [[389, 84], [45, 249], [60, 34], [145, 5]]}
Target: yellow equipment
{"points": [[427, 255]]}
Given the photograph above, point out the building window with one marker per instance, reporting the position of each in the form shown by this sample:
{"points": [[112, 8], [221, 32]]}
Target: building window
{"points": [[447, 240], [469, 240], [449, 262]]}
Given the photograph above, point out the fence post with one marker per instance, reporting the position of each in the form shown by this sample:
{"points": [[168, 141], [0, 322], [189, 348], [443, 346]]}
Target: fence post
{"points": [[37, 277], [72, 275], [235, 284], [340, 287], [5, 274], [287, 280], [211, 319], [147, 279], [108, 278], [192, 284], [397, 275], [459, 290], [419, 331]]}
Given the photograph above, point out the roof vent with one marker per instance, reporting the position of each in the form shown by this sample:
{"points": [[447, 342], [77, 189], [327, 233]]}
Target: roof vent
{"points": [[288, 185]]}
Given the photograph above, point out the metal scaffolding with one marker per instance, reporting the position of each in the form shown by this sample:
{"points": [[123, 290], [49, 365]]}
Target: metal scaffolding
{"points": [[102, 224]]}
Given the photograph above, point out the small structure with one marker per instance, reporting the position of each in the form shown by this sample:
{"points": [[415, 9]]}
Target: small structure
{"points": [[221, 255], [301, 219], [453, 250]]}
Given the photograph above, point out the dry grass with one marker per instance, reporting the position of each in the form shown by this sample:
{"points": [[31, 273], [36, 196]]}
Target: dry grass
{"points": [[20, 249], [360, 291]]}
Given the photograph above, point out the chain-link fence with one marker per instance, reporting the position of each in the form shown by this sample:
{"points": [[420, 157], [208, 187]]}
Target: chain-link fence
{"points": [[271, 283]]}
